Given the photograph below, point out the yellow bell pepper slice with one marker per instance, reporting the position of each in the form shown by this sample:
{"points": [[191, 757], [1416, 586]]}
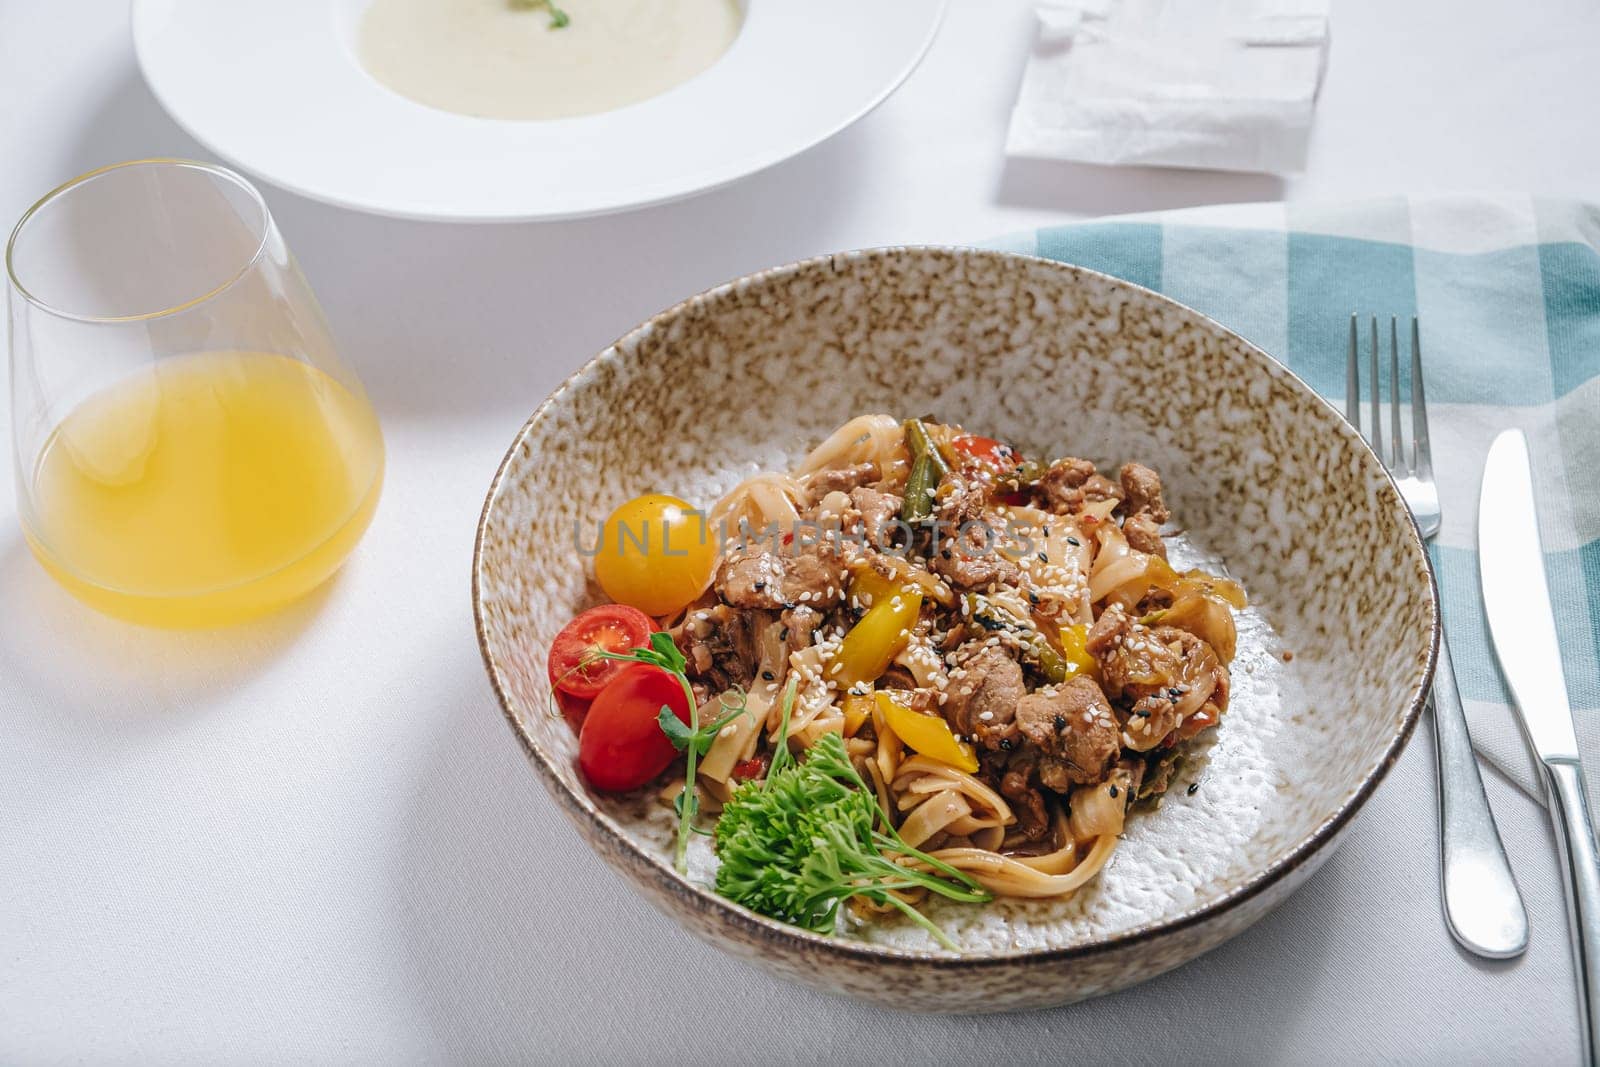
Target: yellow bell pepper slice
{"points": [[871, 586], [878, 636], [857, 708], [1225, 588], [1075, 652], [927, 734], [1159, 573]]}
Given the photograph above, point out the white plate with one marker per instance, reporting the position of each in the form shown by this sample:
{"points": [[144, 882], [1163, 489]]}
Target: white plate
{"points": [[275, 88]]}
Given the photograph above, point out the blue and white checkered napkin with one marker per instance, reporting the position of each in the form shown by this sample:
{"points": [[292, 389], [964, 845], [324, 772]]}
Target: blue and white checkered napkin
{"points": [[1508, 290]]}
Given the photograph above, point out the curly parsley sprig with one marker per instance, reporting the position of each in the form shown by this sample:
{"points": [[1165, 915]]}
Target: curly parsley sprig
{"points": [[812, 836]]}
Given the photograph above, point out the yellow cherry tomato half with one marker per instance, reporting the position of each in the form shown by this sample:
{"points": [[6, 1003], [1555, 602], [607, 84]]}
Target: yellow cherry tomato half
{"points": [[655, 554]]}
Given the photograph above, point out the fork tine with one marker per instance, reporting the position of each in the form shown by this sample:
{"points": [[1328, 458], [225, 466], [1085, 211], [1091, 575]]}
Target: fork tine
{"points": [[1376, 436], [1397, 449], [1352, 381], [1422, 456]]}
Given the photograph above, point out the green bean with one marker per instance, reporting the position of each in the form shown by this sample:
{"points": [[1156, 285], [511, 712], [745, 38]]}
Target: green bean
{"points": [[920, 444], [918, 503], [927, 468]]}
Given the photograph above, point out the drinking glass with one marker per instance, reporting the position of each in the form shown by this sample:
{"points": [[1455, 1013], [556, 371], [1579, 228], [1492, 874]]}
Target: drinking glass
{"points": [[190, 450]]}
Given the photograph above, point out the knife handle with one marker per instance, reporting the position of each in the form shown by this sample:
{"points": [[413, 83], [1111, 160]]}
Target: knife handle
{"points": [[1569, 809], [1481, 903]]}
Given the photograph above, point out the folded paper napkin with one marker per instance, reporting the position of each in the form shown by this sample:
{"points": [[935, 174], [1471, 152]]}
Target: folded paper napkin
{"points": [[1508, 292], [1227, 85]]}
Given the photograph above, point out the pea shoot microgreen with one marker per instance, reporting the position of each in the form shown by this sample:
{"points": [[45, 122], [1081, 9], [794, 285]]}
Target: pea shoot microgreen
{"points": [[558, 17], [694, 740], [781, 756]]}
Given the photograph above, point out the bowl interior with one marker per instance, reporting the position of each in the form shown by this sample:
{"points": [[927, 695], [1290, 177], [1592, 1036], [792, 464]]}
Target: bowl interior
{"points": [[1259, 471]]}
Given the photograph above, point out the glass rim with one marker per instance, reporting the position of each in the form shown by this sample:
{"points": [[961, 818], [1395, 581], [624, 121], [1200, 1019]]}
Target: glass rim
{"points": [[214, 169]]}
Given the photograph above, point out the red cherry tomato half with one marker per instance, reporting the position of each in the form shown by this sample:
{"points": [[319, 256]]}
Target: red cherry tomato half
{"points": [[572, 709], [622, 746], [611, 627], [994, 457], [986, 451]]}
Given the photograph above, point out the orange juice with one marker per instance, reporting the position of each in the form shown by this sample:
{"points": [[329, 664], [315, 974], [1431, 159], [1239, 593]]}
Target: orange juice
{"points": [[207, 489]]}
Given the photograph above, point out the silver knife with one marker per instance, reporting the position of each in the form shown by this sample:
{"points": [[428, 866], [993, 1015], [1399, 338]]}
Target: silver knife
{"points": [[1516, 599]]}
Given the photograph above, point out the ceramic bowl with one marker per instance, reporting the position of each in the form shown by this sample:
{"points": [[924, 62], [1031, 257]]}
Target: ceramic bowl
{"points": [[1261, 473]]}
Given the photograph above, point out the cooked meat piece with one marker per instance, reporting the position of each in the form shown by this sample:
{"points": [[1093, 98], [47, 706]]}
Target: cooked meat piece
{"points": [[1015, 776], [974, 571], [877, 511], [1057, 774], [1155, 669], [1099, 487], [750, 579], [897, 677], [1112, 625], [966, 553], [800, 627], [1199, 660], [1075, 728], [722, 645], [1134, 662], [1062, 484], [1144, 534], [1153, 717], [840, 480], [1142, 489], [813, 575], [981, 700]]}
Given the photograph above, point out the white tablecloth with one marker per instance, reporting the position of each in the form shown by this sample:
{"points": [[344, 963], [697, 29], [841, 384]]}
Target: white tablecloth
{"points": [[315, 839]]}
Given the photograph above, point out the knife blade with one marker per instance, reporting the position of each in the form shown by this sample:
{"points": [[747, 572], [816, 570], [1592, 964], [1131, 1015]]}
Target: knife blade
{"points": [[1516, 598], [1522, 626]]}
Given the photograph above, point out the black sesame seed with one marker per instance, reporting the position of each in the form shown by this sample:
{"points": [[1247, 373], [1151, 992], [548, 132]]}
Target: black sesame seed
{"points": [[1194, 787], [1113, 792], [1043, 558], [758, 586], [1061, 723], [1005, 743], [766, 676], [1074, 542], [783, 635], [1174, 693]]}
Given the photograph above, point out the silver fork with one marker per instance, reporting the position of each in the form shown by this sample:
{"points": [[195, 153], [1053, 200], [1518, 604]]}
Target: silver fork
{"points": [[1481, 903]]}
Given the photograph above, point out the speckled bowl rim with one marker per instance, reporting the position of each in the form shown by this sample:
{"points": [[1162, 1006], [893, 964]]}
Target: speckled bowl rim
{"points": [[793, 938]]}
